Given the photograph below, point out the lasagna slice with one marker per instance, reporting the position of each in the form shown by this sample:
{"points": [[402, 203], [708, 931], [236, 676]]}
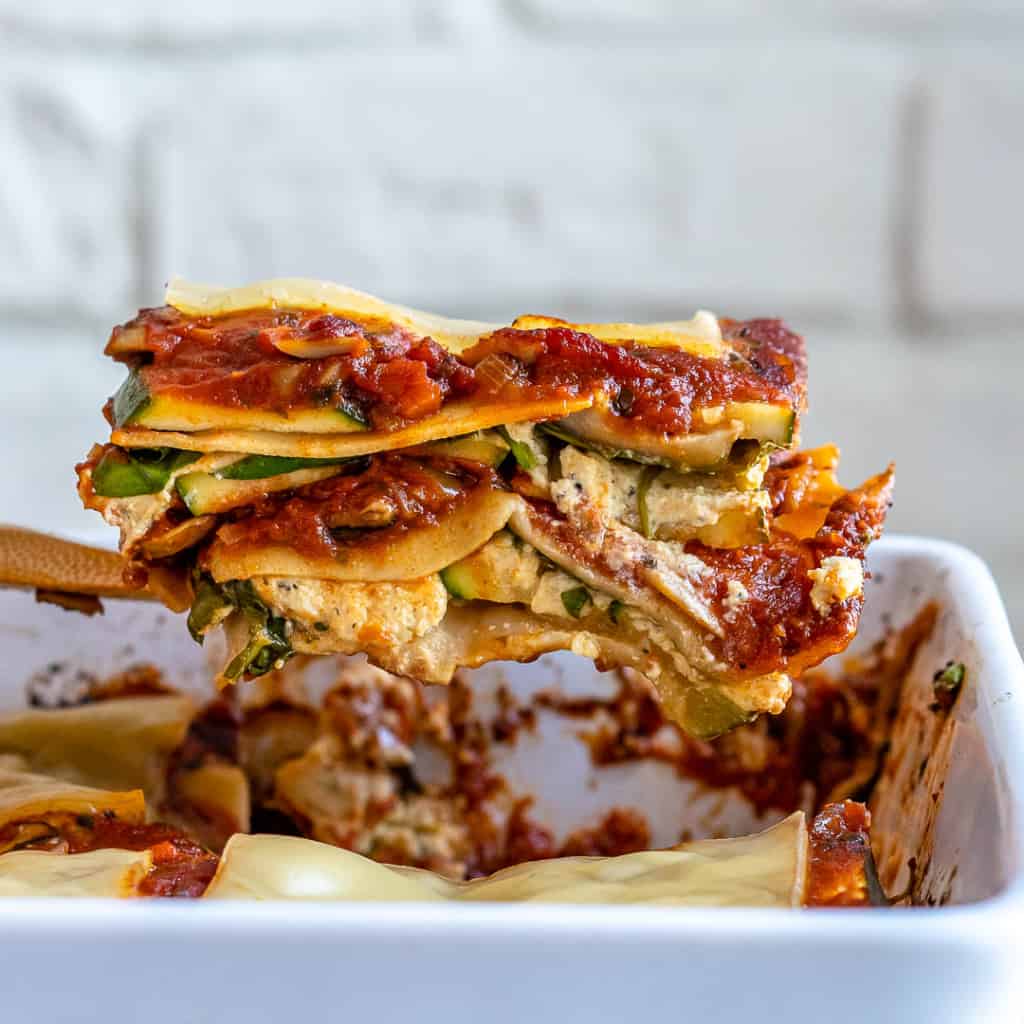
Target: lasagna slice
{"points": [[322, 472]]}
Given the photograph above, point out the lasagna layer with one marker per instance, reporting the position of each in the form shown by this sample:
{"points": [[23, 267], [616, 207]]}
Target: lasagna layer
{"points": [[432, 562], [716, 586], [360, 375]]}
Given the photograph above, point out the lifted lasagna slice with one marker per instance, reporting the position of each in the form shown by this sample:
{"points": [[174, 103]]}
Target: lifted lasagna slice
{"points": [[308, 370], [324, 476]]}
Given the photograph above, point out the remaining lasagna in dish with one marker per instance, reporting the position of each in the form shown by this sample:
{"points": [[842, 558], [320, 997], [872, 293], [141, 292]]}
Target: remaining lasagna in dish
{"points": [[168, 810], [313, 470], [97, 854]]}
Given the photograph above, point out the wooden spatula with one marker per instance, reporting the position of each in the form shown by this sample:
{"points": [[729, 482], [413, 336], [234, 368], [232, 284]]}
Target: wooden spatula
{"points": [[39, 561], [77, 575]]}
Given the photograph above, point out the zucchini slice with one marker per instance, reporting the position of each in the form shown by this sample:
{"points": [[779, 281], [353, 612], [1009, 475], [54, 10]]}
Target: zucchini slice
{"points": [[488, 448], [135, 405], [610, 435], [459, 580], [504, 571], [258, 467], [453, 420], [208, 493], [699, 506], [591, 431], [707, 712], [127, 474], [764, 422], [131, 399]]}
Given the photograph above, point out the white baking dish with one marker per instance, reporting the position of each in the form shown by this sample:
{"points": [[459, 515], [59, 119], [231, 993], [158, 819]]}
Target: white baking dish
{"points": [[165, 961]]}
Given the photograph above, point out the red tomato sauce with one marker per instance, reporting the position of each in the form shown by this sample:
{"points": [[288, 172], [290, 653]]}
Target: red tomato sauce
{"points": [[387, 495], [181, 867], [389, 377], [840, 868]]}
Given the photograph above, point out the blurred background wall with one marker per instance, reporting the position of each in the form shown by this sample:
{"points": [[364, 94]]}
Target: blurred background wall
{"points": [[857, 167]]}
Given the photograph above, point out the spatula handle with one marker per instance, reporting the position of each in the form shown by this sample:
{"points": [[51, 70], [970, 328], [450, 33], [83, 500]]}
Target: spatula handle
{"points": [[39, 561]]}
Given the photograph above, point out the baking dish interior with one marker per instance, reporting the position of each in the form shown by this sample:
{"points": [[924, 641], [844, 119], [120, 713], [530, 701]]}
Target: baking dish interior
{"points": [[946, 807]]}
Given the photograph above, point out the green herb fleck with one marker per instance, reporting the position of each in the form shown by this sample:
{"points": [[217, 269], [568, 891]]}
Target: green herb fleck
{"points": [[646, 479], [268, 642], [946, 684], [576, 600], [615, 610], [521, 452]]}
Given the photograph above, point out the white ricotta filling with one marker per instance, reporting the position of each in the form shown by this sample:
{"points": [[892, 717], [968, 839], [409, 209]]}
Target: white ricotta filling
{"points": [[356, 614], [736, 598], [835, 580]]}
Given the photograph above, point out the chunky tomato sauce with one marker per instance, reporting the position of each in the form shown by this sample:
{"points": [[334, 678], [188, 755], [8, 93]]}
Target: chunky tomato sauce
{"points": [[841, 871], [388, 494], [777, 626], [658, 387], [388, 377], [181, 867]]}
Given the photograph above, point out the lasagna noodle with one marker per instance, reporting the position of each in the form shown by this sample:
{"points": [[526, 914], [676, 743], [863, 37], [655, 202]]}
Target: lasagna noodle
{"points": [[27, 796], [766, 870], [391, 556], [105, 873], [110, 744], [701, 335], [273, 436]]}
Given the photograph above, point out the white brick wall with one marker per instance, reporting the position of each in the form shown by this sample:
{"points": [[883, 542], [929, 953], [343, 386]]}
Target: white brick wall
{"points": [[202, 23], [949, 415], [67, 195], [972, 208], [854, 166], [722, 21], [509, 179]]}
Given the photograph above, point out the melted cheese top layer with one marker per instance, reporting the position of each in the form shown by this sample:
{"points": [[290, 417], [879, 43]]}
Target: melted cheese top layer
{"points": [[700, 335]]}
